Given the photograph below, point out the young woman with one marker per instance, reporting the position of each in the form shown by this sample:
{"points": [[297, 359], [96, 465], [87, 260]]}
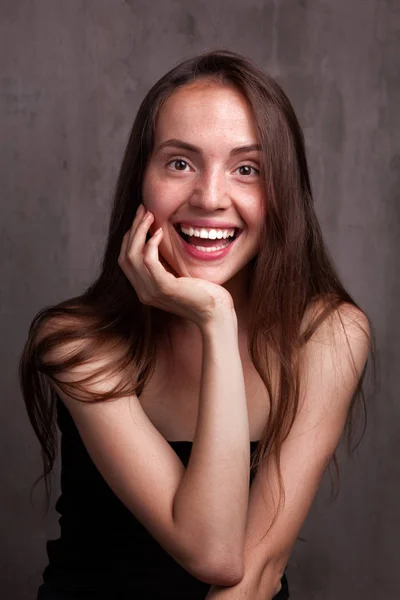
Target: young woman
{"points": [[203, 381]]}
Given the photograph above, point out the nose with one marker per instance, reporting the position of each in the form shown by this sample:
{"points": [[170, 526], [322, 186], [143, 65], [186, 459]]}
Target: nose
{"points": [[210, 191]]}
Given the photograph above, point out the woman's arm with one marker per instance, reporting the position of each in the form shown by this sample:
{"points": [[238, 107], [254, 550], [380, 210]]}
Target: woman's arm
{"points": [[198, 516], [328, 381], [212, 498]]}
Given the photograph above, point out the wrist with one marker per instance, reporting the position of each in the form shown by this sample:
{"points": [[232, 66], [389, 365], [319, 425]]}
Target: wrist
{"points": [[221, 322]]}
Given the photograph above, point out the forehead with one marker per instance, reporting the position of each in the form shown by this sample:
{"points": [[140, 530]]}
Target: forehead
{"points": [[206, 108]]}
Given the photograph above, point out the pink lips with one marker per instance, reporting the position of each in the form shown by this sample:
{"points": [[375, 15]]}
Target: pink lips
{"points": [[206, 256]]}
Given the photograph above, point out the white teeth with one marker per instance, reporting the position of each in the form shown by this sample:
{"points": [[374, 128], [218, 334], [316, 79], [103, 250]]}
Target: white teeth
{"points": [[210, 248], [211, 234]]}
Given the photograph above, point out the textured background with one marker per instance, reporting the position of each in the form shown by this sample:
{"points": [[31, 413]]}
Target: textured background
{"points": [[72, 76]]}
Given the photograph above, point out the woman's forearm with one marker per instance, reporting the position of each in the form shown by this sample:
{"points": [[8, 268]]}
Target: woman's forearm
{"points": [[212, 500]]}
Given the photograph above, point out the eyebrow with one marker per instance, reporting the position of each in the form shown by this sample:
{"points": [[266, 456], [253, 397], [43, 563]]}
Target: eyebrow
{"points": [[189, 147]]}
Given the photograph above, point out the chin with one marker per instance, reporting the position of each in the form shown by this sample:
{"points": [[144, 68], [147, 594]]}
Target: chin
{"points": [[218, 280]]}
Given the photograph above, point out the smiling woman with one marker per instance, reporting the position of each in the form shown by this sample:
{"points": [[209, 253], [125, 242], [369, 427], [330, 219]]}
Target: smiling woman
{"points": [[203, 381]]}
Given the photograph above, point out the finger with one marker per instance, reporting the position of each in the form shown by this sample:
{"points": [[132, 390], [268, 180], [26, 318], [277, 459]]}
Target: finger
{"points": [[138, 233], [138, 218], [158, 235], [135, 275], [136, 221], [135, 252], [141, 211], [151, 259], [136, 243], [130, 261], [132, 243]]}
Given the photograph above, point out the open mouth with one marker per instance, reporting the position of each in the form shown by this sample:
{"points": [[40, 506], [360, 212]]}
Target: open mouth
{"points": [[191, 239]]}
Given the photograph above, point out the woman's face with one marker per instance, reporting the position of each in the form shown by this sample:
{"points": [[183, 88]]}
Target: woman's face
{"points": [[212, 181]]}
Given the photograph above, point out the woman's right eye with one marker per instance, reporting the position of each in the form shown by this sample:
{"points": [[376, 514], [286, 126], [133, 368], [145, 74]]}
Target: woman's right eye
{"points": [[180, 161]]}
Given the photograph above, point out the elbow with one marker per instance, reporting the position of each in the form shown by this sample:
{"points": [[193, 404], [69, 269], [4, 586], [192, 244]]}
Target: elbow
{"points": [[215, 564], [227, 574], [216, 570]]}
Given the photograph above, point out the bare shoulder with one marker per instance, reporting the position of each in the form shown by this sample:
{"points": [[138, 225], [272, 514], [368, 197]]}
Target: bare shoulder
{"points": [[341, 339], [344, 320], [74, 353]]}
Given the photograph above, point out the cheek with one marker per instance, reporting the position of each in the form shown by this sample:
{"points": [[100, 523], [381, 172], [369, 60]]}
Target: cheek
{"points": [[159, 195], [256, 223], [150, 194], [254, 209], [255, 219], [151, 189]]}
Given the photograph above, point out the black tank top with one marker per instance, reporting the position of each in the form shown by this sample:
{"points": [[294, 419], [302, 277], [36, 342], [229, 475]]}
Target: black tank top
{"points": [[103, 549]]}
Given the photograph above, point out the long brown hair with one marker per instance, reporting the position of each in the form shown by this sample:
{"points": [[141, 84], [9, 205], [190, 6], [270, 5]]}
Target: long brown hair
{"points": [[291, 273]]}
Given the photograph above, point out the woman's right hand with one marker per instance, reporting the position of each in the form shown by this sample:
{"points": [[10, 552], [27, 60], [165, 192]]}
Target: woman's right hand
{"points": [[194, 299]]}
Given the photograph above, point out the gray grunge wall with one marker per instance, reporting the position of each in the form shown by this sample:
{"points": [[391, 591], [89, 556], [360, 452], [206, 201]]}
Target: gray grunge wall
{"points": [[72, 75]]}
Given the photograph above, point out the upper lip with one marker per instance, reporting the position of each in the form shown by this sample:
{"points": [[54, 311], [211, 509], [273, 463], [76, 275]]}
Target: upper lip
{"points": [[207, 223]]}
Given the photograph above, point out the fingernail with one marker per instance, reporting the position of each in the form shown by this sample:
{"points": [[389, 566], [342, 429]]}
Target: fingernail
{"points": [[139, 210]]}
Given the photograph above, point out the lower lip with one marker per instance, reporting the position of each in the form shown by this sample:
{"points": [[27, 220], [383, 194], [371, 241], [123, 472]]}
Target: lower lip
{"points": [[207, 256]]}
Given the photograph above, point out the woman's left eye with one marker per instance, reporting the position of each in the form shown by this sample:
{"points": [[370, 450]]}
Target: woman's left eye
{"points": [[248, 167]]}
